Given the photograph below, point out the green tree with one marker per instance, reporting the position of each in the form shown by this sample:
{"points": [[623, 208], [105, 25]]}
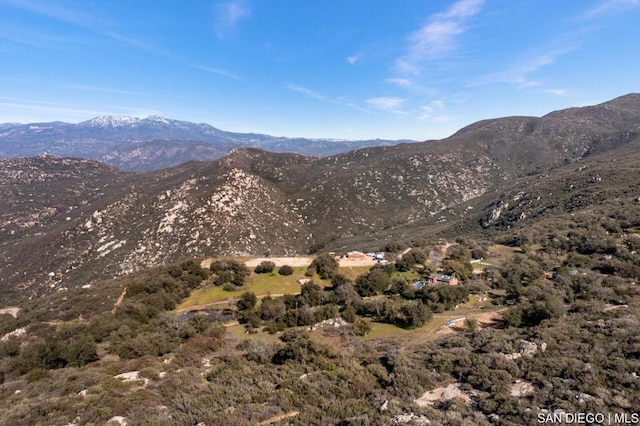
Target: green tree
{"points": [[411, 259], [272, 309], [248, 300], [325, 265], [374, 282], [311, 294]]}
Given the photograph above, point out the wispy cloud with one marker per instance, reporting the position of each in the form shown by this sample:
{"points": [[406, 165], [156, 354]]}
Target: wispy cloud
{"points": [[557, 92], [37, 39], [438, 36], [433, 111], [320, 97], [519, 74], [385, 103], [228, 14], [217, 71], [93, 22], [402, 82], [307, 92], [611, 7], [102, 89], [16, 108], [55, 11]]}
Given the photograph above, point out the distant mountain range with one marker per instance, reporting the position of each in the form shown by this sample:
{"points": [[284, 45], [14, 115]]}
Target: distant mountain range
{"points": [[67, 222], [143, 144]]}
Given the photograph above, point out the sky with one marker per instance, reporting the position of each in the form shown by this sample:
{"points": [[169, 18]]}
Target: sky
{"points": [[343, 69]]}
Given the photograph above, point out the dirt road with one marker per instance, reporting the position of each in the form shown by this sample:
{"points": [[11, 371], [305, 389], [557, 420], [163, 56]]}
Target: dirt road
{"points": [[298, 261]]}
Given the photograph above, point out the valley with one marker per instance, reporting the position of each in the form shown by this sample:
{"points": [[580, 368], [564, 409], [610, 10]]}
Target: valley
{"points": [[504, 281]]}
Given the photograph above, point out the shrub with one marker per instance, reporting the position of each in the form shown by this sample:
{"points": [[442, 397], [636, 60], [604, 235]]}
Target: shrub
{"points": [[361, 327], [471, 324], [285, 270], [229, 271], [349, 314], [265, 267], [37, 374], [81, 351]]}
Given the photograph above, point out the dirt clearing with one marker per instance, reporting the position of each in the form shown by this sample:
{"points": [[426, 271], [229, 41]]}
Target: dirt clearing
{"points": [[366, 261], [295, 262], [485, 319], [11, 310]]}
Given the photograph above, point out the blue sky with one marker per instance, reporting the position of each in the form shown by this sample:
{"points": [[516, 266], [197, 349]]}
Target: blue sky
{"points": [[348, 69]]}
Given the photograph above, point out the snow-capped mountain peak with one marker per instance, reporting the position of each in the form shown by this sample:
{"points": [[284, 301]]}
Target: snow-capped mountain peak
{"points": [[111, 121], [157, 119]]}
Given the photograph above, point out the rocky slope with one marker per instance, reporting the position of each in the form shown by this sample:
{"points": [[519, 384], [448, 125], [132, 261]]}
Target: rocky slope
{"points": [[66, 222]]}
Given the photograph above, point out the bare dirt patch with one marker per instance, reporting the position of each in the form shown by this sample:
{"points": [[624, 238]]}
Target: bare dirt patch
{"points": [[279, 418], [366, 261], [443, 394], [119, 301], [522, 388], [280, 261], [11, 310], [485, 320]]}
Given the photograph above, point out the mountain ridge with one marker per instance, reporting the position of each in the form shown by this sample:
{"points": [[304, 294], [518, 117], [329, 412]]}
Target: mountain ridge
{"points": [[153, 142], [57, 219]]}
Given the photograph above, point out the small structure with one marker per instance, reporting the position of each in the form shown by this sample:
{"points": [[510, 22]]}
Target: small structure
{"points": [[418, 285], [356, 255], [443, 279]]}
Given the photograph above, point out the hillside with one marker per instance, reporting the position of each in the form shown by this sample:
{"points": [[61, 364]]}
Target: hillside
{"points": [[504, 347], [152, 143], [546, 327], [256, 202]]}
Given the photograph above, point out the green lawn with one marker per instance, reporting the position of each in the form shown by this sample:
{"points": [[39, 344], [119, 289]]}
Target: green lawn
{"points": [[353, 272], [260, 284], [472, 309]]}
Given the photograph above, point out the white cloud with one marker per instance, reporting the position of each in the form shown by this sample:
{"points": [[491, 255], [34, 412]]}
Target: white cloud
{"points": [[438, 36], [385, 103], [228, 14], [353, 59]]}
